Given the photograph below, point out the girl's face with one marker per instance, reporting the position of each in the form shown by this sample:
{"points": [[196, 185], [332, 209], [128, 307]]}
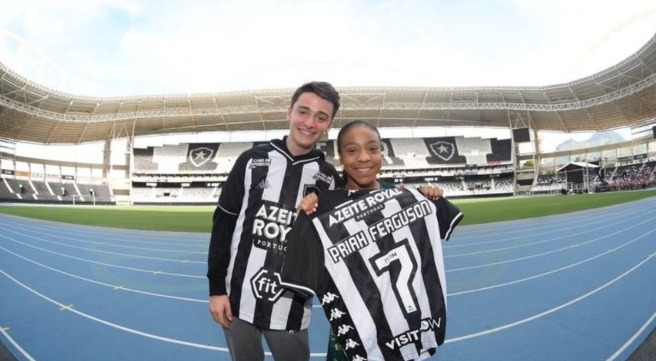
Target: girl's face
{"points": [[360, 155]]}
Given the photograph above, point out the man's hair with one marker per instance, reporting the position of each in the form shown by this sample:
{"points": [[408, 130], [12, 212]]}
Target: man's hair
{"points": [[321, 88]]}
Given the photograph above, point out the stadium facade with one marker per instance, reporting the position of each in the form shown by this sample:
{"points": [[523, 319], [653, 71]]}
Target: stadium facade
{"points": [[128, 170]]}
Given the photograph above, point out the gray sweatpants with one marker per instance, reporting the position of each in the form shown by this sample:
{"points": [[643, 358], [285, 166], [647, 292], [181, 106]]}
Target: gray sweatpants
{"points": [[245, 343]]}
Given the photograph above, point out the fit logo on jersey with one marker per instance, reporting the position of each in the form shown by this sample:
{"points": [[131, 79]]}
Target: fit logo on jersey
{"points": [[271, 226], [266, 285], [259, 162], [412, 336], [323, 177], [362, 207]]}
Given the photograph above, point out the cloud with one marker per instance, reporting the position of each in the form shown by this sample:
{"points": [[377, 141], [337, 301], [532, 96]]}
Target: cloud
{"points": [[131, 47]]}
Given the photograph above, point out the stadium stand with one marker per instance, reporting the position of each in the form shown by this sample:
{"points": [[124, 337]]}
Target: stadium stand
{"points": [[227, 154], [407, 147], [169, 157], [389, 155], [192, 173], [501, 151], [143, 160]]}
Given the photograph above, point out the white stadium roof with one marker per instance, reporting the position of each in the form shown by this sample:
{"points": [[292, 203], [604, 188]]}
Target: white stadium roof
{"points": [[621, 96]]}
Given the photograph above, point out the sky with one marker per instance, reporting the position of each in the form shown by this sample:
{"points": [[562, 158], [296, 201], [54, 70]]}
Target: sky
{"points": [[140, 47]]}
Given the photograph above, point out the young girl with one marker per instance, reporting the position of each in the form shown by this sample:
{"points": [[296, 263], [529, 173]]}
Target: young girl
{"points": [[359, 149]]}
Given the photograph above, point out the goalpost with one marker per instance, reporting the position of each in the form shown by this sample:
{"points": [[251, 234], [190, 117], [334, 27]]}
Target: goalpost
{"points": [[76, 196]]}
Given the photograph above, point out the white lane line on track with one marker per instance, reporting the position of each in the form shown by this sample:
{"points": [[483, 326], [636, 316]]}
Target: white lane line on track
{"points": [[531, 243], [504, 230], [633, 338], [115, 287], [550, 311], [621, 231], [16, 345], [113, 244], [110, 252], [168, 237], [534, 233], [555, 270], [131, 330], [114, 325], [106, 264]]}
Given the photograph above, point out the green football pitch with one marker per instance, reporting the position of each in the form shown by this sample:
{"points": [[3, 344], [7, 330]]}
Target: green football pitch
{"points": [[199, 218]]}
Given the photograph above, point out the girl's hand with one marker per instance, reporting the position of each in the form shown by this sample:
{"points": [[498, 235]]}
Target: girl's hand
{"points": [[308, 204], [431, 192]]}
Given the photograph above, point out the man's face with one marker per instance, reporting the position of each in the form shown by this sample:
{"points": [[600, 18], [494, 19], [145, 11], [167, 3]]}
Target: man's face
{"points": [[309, 118]]}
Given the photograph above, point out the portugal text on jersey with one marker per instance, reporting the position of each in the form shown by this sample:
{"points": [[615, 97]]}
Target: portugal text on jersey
{"points": [[374, 258]]}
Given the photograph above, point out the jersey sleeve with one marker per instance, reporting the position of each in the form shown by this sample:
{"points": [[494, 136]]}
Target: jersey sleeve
{"points": [[303, 266], [218, 255], [232, 192], [448, 216]]}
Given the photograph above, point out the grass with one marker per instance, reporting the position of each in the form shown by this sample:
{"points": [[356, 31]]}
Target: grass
{"points": [[161, 218], [199, 218], [511, 208]]}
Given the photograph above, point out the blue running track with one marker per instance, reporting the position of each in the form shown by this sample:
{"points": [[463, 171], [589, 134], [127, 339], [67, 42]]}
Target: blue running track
{"points": [[579, 287]]}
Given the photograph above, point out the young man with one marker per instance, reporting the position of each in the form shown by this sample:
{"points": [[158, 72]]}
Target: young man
{"points": [[255, 213]]}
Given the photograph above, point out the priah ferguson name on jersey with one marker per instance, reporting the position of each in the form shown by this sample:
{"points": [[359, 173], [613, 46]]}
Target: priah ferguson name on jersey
{"points": [[380, 229]]}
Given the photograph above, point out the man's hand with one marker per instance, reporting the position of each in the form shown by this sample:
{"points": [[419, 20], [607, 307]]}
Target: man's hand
{"points": [[220, 310]]}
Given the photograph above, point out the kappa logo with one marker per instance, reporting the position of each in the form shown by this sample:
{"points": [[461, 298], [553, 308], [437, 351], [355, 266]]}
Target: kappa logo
{"points": [[328, 298], [443, 150], [350, 343], [266, 285], [263, 184], [335, 314], [201, 155], [344, 329]]}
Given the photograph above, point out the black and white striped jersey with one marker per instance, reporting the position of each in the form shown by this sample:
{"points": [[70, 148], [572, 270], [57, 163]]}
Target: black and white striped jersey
{"points": [[262, 190], [374, 259]]}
